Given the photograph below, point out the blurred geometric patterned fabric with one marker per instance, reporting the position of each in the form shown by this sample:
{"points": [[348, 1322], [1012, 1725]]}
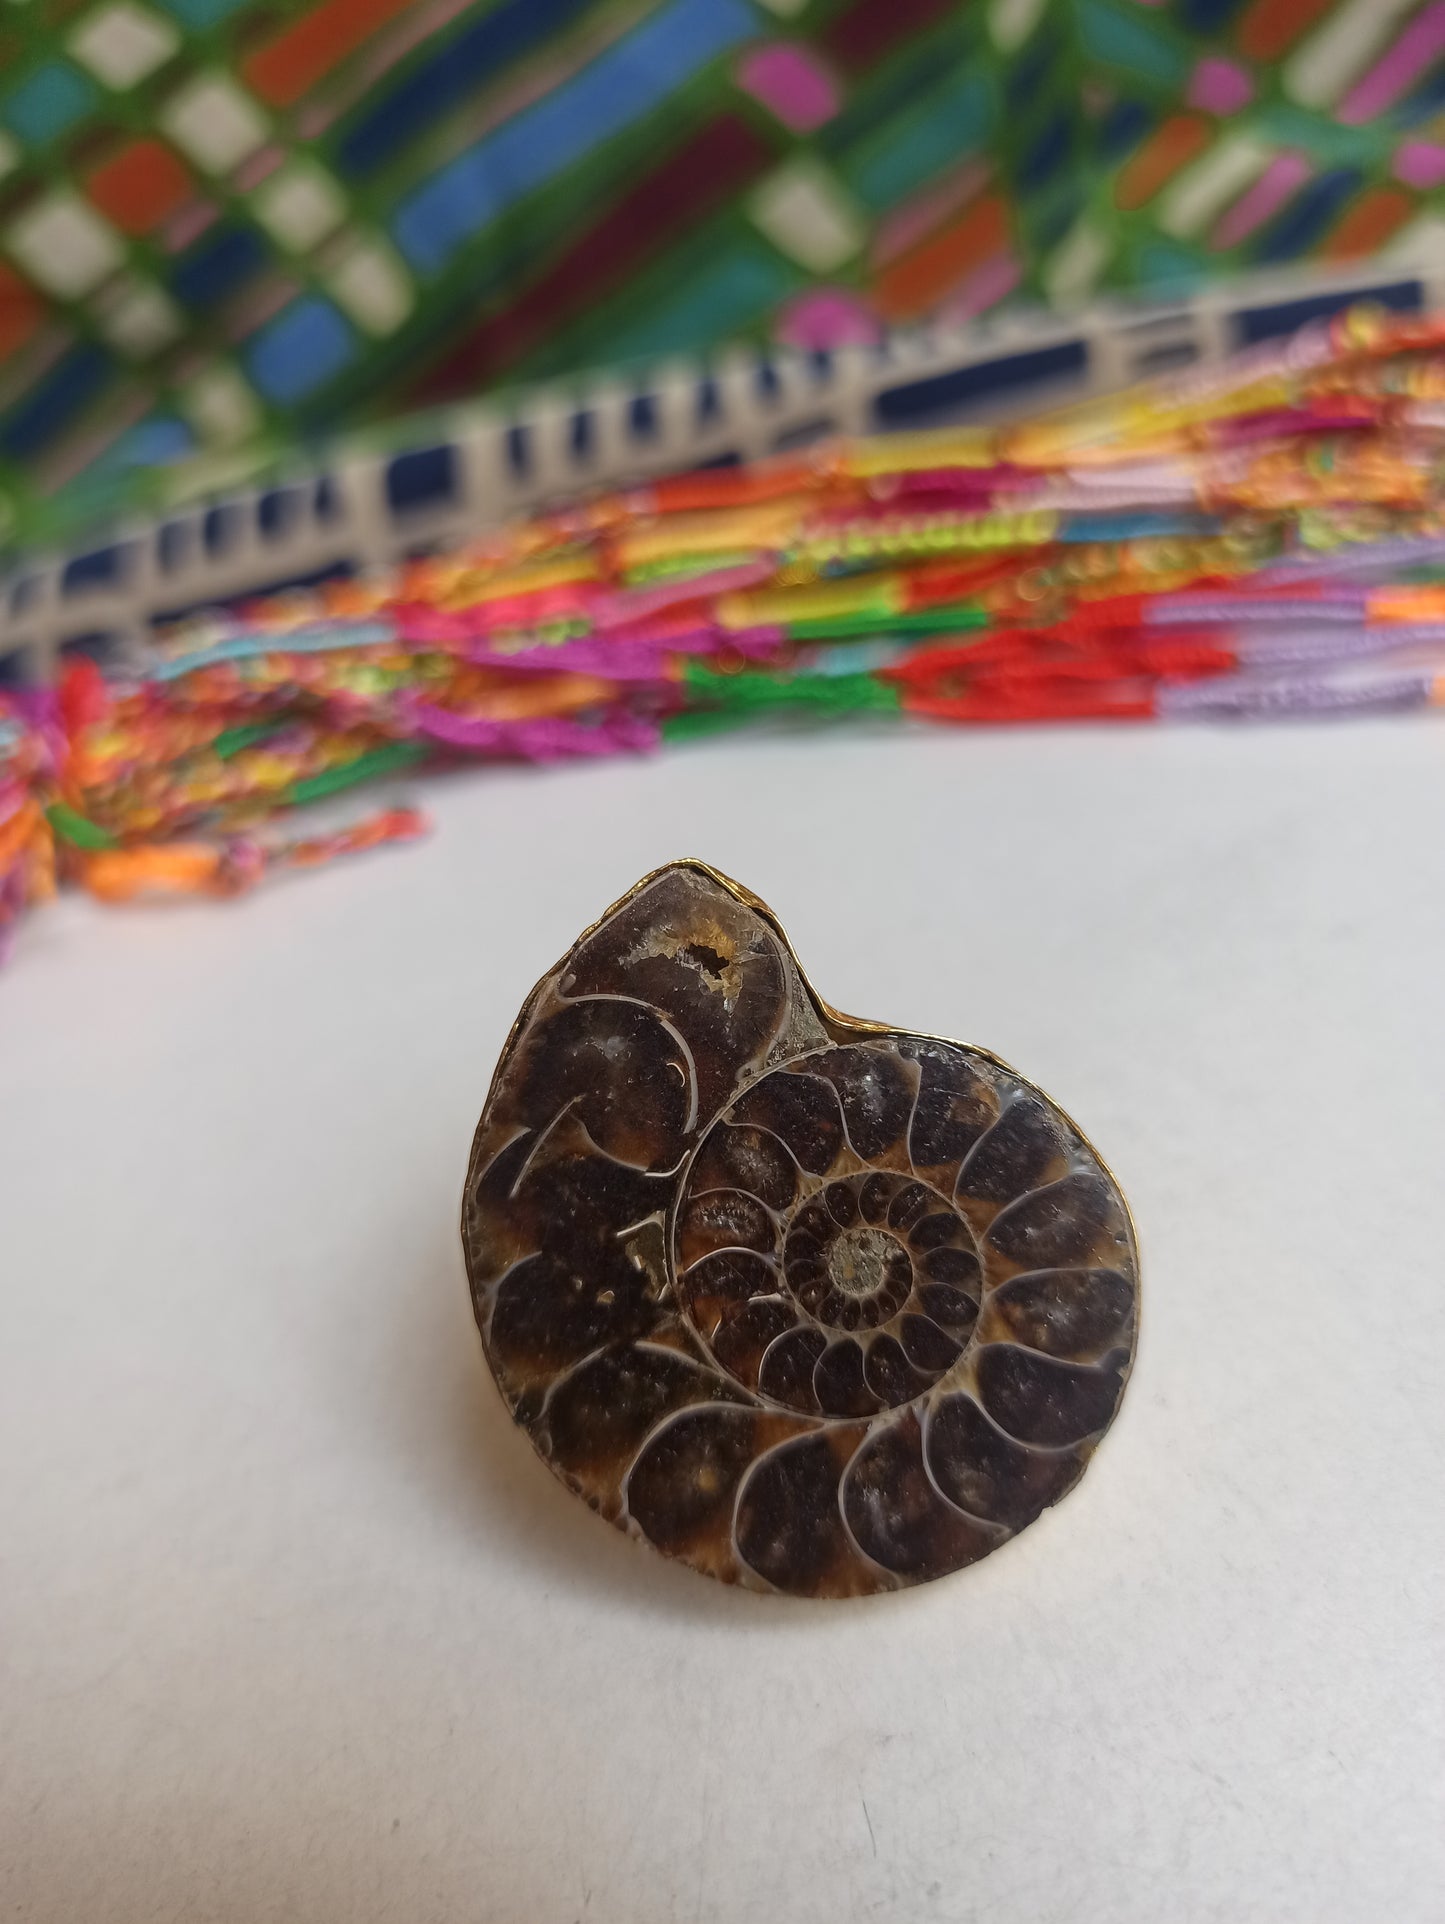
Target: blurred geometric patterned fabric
{"points": [[225, 223], [1227, 136]]}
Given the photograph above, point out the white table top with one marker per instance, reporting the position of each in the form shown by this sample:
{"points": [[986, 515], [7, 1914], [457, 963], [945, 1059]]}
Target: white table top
{"points": [[293, 1625]]}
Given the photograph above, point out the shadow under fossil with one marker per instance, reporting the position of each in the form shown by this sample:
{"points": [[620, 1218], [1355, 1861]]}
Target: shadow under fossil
{"points": [[437, 1416]]}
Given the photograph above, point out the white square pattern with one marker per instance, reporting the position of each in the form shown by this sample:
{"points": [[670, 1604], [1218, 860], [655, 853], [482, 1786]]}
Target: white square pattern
{"points": [[300, 205], [140, 322], [221, 405], [122, 43], [64, 244], [372, 286], [1012, 21], [803, 211], [214, 122], [1076, 263]]}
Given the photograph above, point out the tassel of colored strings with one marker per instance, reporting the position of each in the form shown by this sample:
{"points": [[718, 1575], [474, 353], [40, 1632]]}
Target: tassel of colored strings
{"points": [[1258, 539]]}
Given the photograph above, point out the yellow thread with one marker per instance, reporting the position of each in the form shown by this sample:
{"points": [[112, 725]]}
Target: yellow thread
{"points": [[765, 526], [879, 595], [936, 448]]}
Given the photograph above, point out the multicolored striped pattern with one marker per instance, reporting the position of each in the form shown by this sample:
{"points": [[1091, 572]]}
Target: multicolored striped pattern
{"points": [[227, 224], [227, 219], [1250, 133]]}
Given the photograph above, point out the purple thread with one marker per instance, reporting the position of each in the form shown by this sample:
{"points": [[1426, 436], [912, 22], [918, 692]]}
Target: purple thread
{"points": [[1402, 551], [1282, 648], [1186, 610], [1248, 697], [620, 661], [537, 739], [629, 658]]}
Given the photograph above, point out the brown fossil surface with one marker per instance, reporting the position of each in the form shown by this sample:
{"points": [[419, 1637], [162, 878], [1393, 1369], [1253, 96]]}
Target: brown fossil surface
{"points": [[812, 1304]]}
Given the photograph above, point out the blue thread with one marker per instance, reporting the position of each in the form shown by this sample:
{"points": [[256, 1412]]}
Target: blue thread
{"points": [[1312, 213], [218, 266], [303, 641], [300, 350], [1047, 155], [55, 400], [1142, 526], [1122, 128], [458, 69], [619, 87], [1208, 16]]}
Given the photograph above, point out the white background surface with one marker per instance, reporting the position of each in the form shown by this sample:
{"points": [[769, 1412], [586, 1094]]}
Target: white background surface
{"points": [[293, 1626]]}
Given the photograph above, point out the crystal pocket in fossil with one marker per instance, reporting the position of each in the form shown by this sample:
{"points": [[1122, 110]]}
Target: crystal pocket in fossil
{"points": [[809, 1303]]}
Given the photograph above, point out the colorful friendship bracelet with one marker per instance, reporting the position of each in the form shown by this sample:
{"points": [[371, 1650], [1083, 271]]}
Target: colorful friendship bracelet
{"points": [[1259, 539]]}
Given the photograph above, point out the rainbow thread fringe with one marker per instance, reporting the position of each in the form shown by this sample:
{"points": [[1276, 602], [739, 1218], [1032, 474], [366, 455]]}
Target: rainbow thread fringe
{"points": [[1261, 539]]}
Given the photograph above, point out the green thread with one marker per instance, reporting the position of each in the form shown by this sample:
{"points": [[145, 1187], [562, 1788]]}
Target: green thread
{"points": [[231, 741], [680, 566], [381, 761], [920, 621], [78, 829], [735, 699]]}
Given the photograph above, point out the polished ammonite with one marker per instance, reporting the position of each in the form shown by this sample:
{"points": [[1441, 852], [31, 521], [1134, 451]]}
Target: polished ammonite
{"points": [[811, 1304]]}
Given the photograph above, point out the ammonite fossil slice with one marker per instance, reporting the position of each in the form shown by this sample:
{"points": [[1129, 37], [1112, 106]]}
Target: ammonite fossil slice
{"points": [[809, 1303]]}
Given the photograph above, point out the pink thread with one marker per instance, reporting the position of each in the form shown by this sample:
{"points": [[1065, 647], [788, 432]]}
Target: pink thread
{"points": [[1283, 177], [1411, 54], [190, 221], [1219, 86], [791, 83], [258, 167], [539, 739], [985, 287], [828, 317], [437, 627], [1420, 163], [908, 224], [619, 661]]}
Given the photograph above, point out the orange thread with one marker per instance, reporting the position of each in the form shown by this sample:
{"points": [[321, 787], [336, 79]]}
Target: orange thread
{"points": [[920, 279], [1272, 25], [1368, 224], [20, 311], [1179, 139], [179, 868], [139, 187], [291, 64]]}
